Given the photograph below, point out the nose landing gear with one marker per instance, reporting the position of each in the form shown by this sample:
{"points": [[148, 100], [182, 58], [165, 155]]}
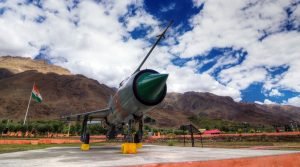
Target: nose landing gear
{"points": [[132, 143]]}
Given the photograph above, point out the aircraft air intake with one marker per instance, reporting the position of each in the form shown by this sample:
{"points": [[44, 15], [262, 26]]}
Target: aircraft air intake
{"points": [[150, 87]]}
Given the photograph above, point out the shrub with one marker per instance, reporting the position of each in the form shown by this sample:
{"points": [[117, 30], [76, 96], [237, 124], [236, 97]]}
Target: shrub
{"points": [[170, 143], [170, 135], [11, 127], [252, 131], [240, 131], [2, 127]]}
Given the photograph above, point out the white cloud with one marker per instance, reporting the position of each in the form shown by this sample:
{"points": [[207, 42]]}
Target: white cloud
{"points": [[171, 6], [223, 24], [275, 92], [241, 77], [258, 102], [267, 101], [96, 47], [185, 79], [295, 101]]}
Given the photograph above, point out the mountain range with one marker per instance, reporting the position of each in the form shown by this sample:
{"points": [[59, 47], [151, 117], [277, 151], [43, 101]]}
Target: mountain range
{"points": [[65, 93]]}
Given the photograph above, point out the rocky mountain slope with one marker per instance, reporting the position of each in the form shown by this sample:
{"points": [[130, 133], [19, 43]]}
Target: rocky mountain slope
{"points": [[21, 64], [64, 93], [221, 107]]}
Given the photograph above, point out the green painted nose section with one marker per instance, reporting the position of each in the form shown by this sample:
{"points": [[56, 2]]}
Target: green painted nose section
{"points": [[150, 86]]}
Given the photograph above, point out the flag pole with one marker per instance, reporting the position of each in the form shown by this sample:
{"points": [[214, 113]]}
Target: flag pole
{"points": [[28, 105]]}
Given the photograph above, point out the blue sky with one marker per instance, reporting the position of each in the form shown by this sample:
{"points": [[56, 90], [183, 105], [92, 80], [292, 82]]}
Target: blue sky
{"points": [[248, 50]]}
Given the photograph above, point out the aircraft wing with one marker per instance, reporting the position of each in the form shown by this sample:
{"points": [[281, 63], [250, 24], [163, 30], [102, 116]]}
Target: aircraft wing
{"points": [[98, 114]]}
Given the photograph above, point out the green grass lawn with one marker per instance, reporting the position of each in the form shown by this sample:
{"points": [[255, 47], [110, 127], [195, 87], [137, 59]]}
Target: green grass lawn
{"points": [[36, 138]]}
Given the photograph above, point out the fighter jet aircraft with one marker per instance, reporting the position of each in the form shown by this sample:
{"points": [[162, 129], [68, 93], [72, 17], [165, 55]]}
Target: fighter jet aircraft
{"points": [[136, 95]]}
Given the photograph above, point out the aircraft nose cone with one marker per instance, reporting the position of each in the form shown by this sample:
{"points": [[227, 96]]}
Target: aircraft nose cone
{"points": [[150, 87]]}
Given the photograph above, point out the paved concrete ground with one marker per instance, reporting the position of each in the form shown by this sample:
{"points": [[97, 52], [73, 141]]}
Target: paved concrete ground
{"points": [[111, 156]]}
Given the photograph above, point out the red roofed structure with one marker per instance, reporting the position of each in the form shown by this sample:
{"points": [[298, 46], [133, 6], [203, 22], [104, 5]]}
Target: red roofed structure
{"points": [[212, 132]]}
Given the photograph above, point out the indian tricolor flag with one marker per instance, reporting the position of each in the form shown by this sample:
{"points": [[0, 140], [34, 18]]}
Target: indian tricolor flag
{"points": [[35, 94]]}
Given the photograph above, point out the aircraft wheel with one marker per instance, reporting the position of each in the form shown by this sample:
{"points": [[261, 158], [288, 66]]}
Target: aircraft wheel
{"points": [[137, 138]]}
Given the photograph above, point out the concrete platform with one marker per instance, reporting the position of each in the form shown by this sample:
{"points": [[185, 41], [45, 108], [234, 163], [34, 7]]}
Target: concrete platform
{"points": [[111, 156]]}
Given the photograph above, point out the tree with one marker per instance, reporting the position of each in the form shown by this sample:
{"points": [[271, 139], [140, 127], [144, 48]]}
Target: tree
{"points": [[77, 128], [42, 128], [97, 129], [11, 127], [4, 121], [252, 130], [224, 128], [66, 128], [240, 131], [2, 127], [18, 127], [147, 128], [29, 127], [56, 127], [23, 129]]}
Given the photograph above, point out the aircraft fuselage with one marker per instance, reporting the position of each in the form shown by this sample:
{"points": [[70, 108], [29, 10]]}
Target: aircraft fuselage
{"points": [[136, 95]]}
